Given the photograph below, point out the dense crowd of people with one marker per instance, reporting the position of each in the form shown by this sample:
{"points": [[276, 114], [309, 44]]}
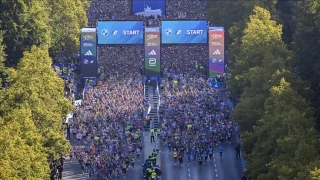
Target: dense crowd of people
{"points": [[122, 10], [189, 9], [108, 125], [109, 128], [195, 120], [179, 59]]}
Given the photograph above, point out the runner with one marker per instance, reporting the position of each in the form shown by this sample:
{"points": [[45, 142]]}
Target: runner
{"points": [[193, 117]]}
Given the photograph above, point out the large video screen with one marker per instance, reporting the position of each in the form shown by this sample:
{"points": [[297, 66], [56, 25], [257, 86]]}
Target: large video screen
{"points": [[120, 32], [149, 7], [184, 32]]}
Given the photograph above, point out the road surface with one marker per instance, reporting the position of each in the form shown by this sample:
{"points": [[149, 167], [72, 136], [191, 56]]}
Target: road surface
{"points": [[226, 168]]}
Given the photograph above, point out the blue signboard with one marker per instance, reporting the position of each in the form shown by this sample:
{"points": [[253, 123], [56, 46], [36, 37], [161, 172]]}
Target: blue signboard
{"points": [[216, 85], [149, 7], [120, 32], [184, 32]]}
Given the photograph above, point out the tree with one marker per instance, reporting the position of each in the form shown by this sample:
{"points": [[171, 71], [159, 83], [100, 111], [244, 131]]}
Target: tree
{"points": [[25, 23], [261, 61], [315, 174], [67, 18], [22, 155], [2, 59], [306, 46], [36, 85], [86, 4], [284, 9], [231, 13], [286, 141], [261, 32], [2, 54]]}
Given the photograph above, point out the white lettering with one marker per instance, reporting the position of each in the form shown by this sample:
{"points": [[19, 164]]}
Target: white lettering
{"points": [[131, 32], [216, 43], [152, 62], [151, 36], [87, 44], [194, 31], [216, 36], [87, 37], [152, 44]]}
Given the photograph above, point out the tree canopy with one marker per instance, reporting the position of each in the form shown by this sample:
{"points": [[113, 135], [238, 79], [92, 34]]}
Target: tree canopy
{"points": [[262, 58], [52, 24], [32, 109], [33, 106], [272, 79], [67, 18]]}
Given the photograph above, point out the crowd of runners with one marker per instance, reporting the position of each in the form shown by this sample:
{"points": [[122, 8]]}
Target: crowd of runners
{"points": [[107, 127], [195, 119]]}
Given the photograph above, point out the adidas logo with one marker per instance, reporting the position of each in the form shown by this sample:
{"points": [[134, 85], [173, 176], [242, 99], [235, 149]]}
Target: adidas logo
{"points": [[89, 53], [153, 53], [216, 52]]}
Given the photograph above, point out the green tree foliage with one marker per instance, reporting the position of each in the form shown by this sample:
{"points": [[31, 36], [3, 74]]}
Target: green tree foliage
{"points": [[306, 18], [226, 13], [53, 24], [315, 174], [234, 13], [286, 141], [67, 18], [262, 60], [86, 4], [22, 155], [279, 136], [25, 23], [284, 9], [2, 59], [2, 54], [35, 85]]}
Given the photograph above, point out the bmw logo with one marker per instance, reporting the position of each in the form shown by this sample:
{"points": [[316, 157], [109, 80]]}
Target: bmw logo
{"points": [[168, 32], [104, 32]]}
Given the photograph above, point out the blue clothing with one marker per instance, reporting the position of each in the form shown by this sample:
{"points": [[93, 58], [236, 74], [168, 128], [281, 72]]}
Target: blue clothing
{"points": [[221, 149]]}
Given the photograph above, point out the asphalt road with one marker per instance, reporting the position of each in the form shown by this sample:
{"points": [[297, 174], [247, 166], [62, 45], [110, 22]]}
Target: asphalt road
{"points": [[226, 168]]}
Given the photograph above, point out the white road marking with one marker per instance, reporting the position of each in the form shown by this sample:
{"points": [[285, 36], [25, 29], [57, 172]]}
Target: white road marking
{"points": [[215, 170], [215, 165]]}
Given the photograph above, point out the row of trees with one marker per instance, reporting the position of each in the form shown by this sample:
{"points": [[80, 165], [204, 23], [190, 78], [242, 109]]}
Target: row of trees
{"points": [[274, 71], [51, 24], [32, 108]]}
